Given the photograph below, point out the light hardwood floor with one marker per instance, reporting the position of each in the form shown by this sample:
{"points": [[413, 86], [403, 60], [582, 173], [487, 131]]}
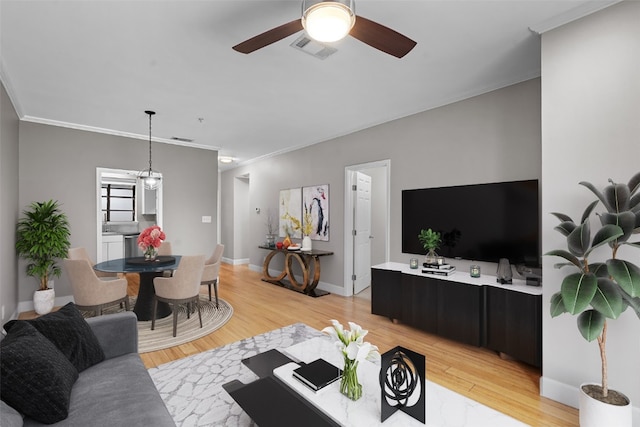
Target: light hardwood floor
{"points": [[507, 386]]}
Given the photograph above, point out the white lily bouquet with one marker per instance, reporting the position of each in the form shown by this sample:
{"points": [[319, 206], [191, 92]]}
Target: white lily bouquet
{"points": [[354, 349]]}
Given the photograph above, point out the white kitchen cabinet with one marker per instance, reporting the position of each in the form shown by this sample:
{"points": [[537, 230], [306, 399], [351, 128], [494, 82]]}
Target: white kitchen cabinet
{"points": [[149, 202], [112, 247]]}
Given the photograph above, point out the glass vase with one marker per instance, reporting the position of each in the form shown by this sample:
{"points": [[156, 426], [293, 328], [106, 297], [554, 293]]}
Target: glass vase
{"points": [[349, 385], [271, 240], [150, 254], [431, 258]]}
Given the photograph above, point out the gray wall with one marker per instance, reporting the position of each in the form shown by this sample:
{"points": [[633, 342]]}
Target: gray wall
{"points": [[60, 163], [9, 210], [591, 132], [488, 138]]}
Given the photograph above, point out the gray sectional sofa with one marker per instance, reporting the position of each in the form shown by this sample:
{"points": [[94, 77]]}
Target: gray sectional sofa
{"points": [[117, 391]]}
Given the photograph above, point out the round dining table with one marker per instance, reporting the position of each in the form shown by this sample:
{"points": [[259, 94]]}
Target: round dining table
{"points": [[148, 270]]}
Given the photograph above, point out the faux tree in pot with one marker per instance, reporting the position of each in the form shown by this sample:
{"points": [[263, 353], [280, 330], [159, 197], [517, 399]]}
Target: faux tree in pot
{"points": [[430, 242], [601, 290], [43, 238]]}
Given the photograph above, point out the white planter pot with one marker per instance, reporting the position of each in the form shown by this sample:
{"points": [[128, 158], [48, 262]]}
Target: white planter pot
{"points": [[43, 301], [306, 243], [596, 413]]}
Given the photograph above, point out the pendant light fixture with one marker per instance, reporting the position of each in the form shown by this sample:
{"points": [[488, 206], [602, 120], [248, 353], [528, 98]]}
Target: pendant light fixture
{"points": [[150, 178]]}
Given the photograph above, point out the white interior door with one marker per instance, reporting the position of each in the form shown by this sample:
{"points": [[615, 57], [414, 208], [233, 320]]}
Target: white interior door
{"points": [[362, 233]]}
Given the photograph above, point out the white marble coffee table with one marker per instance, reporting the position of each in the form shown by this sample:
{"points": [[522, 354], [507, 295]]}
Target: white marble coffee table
{"points": [[444, 407]]}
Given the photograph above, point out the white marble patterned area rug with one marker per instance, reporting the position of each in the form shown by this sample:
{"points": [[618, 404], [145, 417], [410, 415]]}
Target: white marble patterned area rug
{"points": [[192, 387]]}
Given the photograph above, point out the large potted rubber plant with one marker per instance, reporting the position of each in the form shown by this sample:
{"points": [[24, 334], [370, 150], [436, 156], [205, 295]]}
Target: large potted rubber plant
{"points": [[43, 238], [602, 284]]}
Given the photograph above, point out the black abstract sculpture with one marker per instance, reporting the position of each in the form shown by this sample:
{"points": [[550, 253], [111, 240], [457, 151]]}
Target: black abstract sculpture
{"points": [[402, 384]]}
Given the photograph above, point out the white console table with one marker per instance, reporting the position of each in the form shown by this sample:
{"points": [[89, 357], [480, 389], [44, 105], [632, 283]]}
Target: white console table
{"points": [[443, 406]]}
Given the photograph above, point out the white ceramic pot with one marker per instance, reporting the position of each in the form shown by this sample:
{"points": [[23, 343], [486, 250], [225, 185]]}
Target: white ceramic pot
{"points": [[594, 413], [43, 301], [306, 243]]}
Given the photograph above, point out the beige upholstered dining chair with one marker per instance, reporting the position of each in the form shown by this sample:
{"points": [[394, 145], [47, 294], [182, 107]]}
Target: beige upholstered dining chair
{"points": [[211, 271], [165, 249], [81, 253], [90, 293], [182, 288]]}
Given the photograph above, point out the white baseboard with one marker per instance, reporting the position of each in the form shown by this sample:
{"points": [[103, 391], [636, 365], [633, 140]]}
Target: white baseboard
{"points": [[235, 261], [323, 286], [569, 395], [334, 289], [59, 302], [560, 392]]}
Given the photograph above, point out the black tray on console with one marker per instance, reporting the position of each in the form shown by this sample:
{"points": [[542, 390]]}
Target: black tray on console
{"points": [[160, 260]]}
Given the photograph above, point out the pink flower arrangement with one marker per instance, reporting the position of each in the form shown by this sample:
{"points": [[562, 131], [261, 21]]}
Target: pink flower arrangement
{"points": [[151, 237]]}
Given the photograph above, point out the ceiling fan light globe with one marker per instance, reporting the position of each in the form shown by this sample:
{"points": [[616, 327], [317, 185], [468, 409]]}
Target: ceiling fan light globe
{"points": [[328, 21]]}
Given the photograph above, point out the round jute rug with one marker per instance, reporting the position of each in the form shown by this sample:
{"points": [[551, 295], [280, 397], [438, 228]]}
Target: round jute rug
{"points": [[188, 329]]}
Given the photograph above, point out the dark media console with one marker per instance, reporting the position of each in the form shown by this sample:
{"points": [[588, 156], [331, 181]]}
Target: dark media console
{"points": [[476, 311]]}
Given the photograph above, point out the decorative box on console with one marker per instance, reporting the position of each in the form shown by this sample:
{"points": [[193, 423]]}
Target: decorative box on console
{"points": [[533, 276]]}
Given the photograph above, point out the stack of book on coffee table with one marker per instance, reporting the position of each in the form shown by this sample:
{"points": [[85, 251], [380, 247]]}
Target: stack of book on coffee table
{"points": [[438, 269], [317, 374]]}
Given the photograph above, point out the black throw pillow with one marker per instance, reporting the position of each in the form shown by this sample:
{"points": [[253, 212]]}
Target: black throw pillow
{"points": [[70, 333], [35, 377]]}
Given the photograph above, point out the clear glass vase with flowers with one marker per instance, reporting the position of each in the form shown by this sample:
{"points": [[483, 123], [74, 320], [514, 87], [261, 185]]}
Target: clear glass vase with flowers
{"points": [[354, 350], [150, 240]]}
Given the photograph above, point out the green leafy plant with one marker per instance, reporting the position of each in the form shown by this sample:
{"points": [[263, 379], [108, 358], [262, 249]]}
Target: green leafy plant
{"points": [[430, 239], [597, 291], [42, 238]]}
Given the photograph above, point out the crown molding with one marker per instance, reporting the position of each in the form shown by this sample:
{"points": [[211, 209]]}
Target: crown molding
{"points": [[113, 132], [571, 15]]}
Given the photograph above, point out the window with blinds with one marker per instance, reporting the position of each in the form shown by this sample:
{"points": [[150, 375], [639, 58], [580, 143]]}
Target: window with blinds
{"points": [[118, 202]]}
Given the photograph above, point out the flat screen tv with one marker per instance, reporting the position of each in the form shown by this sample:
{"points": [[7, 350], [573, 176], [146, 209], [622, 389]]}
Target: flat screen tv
{"points": [[482, 222]]}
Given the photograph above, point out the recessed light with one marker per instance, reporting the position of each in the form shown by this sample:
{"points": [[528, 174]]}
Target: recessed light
{"points": [[225, 159]]}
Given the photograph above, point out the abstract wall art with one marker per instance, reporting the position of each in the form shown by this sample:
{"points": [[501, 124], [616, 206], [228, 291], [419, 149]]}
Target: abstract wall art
{"points": [[315, 211], [290, 213]]}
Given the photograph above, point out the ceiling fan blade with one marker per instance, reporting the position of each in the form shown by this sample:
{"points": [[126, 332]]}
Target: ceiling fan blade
{"points": [[381, 37], [268, 37]]}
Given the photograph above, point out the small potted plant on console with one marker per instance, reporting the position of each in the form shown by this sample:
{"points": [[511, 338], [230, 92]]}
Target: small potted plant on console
{"points": [[597, 291], [430, 241]]}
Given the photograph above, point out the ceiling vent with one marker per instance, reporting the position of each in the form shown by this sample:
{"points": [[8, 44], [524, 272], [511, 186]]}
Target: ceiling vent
{"points": [[312, 47], [177, 138]]}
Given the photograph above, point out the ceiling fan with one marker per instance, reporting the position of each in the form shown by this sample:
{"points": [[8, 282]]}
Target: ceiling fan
{"points": [[332, 20]]}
